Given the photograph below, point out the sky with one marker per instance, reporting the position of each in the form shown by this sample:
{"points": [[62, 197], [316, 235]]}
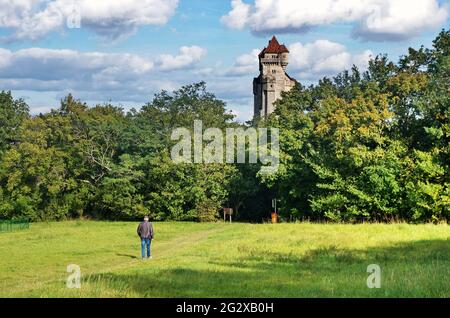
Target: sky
{"points": [[125, 51]]}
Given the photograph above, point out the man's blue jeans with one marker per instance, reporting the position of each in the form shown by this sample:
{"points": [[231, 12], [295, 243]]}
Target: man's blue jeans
{"points": [[145, 244]]}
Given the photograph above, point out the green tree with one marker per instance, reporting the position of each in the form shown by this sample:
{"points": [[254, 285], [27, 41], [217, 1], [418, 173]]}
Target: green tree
{"points": [[12, 113]]}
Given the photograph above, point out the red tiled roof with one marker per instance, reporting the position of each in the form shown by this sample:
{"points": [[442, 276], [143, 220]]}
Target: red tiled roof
{"points": [[274, 47]]}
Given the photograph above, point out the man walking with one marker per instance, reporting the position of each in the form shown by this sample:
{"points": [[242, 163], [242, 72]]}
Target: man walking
{"points": [[145, 232]]}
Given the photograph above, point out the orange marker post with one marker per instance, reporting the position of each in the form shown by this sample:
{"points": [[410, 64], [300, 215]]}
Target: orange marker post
{"points": [[274, 217]]}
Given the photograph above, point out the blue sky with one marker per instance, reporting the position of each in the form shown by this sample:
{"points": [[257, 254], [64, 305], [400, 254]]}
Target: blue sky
{"points": [[126, 51]]}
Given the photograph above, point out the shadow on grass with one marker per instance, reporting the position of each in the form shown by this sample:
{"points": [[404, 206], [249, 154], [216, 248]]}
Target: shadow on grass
{"points": [[418, 269], [128, 255]]}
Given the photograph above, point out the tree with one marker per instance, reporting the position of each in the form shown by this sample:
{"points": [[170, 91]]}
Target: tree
{"points": [[12, 113], [120, 193], [32, 176]]}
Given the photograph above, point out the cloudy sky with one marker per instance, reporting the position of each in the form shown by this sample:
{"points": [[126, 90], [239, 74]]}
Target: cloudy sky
{"points": [[124, 51]]}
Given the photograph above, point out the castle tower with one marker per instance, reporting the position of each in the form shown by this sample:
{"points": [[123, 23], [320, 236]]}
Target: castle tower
{"points": [[272, 79]]}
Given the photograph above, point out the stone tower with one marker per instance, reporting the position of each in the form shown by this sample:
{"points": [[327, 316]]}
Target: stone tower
{"points": [[272, 79]]}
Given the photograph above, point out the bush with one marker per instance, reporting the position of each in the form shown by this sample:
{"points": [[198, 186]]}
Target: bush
{"points": [[207, 211]]}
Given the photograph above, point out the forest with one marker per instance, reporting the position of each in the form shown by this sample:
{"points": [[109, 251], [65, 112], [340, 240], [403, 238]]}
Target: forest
{"points": [[363, 146]]}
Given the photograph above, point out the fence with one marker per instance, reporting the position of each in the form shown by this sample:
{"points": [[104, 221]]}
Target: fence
{"points": [[10, 226]]}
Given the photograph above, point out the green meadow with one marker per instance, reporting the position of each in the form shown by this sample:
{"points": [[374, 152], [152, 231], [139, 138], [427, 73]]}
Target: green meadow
{"points": [[226, 260]]}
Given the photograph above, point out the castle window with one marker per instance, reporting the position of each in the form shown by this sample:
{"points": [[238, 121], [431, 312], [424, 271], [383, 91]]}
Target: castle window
{"points": [[274, 71]]}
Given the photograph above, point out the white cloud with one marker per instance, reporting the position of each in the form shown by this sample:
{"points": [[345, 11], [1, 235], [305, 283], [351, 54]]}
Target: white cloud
{"points": [[187, 57], [95, 76], [54, 65], [33, 19], [238, 16], [375, 19], [241, 108], [321, 58], [245, 64], [116, 76]]}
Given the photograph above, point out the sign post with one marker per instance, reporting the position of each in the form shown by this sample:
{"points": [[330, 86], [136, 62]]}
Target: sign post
{"points": [[227, 211]]}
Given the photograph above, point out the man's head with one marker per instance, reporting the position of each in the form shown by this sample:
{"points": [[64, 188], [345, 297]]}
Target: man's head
{"points": [[146, 218]]}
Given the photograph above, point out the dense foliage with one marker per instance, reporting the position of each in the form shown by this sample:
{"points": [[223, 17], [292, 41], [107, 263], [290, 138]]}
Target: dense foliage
{"points": [[362, 146], [370, 146]]}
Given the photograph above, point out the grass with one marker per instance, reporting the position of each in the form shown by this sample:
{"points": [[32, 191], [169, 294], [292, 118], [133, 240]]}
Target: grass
{"points": [[226, 260]]}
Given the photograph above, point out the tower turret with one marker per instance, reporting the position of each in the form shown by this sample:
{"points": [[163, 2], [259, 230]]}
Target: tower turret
{"points": [[272, 79]]}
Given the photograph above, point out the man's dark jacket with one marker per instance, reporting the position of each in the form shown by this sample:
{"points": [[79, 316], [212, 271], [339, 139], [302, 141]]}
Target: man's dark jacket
{"points": [[145, 230]]}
